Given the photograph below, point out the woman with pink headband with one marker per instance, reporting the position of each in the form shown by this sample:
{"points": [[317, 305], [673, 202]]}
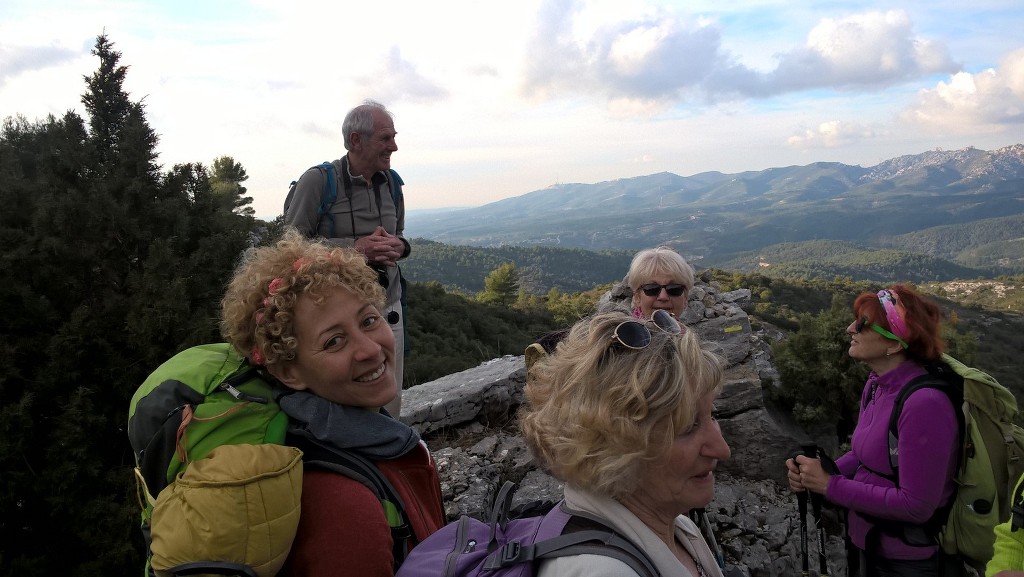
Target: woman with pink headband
{"points": [[895, 332]]}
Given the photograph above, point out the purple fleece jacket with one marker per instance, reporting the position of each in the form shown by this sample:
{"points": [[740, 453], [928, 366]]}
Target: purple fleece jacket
{"points": [[928, 435]]}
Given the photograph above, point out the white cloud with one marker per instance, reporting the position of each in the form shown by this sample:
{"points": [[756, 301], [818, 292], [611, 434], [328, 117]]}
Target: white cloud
{"points": [[831, 134], [651, 55], [15, 60], [984, 101], [398, 80], [616, 87], [862, 51], [661, 55]]}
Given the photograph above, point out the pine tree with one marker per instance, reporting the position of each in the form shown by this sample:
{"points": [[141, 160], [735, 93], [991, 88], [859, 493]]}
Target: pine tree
{"points": [[227, 180], [501, 286], [111, 268]]}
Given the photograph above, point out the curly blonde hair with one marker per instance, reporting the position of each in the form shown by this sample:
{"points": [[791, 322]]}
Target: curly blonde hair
{"points": [[597, 412], [257, 312]]}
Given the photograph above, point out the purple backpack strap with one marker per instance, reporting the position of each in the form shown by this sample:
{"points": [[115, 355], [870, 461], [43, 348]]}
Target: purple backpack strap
{"points": [[550, 542], [554, 522]]}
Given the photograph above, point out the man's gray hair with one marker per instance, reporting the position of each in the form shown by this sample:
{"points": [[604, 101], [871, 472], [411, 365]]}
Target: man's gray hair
{"points": [[360, 120]]}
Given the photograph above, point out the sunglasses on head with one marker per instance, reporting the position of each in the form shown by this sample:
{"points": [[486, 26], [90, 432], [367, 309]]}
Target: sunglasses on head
{"points": [[635, 334], [863, 322], [654, 289]]}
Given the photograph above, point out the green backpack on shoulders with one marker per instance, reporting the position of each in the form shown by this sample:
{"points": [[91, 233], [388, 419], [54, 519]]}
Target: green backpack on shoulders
{"points": [[198, 400], [991, 457], [216, 394], [220, 491]]}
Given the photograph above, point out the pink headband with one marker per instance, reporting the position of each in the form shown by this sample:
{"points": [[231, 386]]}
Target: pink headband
{"points": [[894, 313]]}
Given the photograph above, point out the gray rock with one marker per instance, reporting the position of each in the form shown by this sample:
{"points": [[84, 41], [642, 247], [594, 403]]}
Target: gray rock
{"points": [[488, 392]]}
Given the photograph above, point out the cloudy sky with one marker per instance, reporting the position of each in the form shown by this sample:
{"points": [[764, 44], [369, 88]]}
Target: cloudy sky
{"points": [[499, 98]]}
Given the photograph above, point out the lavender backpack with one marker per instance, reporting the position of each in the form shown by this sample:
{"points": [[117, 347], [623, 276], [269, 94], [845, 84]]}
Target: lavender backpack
{"points": [[512, 548]]}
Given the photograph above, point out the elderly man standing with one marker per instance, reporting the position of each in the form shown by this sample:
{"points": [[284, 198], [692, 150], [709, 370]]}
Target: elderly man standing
{"points": [[356, 201]]}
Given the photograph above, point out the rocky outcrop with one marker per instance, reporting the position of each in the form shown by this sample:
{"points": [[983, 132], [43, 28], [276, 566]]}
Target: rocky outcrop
{"points": [[468, 419]]}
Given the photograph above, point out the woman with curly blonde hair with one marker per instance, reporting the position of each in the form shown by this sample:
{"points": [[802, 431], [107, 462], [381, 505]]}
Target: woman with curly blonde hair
{"points": [[310, 314], [621, 412]]}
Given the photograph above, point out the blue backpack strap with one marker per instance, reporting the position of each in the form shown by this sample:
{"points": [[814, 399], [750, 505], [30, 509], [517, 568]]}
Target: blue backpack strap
{"points": [[329, 195], [395, 183]]}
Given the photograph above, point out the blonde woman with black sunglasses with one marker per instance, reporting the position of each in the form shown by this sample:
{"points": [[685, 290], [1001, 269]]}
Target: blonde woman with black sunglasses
{"points": [[660, 279]]}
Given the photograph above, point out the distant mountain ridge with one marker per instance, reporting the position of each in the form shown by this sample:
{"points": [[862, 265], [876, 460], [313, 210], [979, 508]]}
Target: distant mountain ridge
{"points": [[1004, 163], [714, 218]]}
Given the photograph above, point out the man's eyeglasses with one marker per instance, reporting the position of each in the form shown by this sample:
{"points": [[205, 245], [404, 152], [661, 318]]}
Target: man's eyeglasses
{"points": [[654, 289], [635, 334], [863, 322]]}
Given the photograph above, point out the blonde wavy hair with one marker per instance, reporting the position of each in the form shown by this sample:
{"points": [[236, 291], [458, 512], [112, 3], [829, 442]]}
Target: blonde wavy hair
{"points": [[257, 312], [654, 262], [596, 411]]}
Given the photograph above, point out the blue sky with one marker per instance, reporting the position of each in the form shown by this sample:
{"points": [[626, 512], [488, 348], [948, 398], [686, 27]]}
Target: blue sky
{"points": [[497, 99]]}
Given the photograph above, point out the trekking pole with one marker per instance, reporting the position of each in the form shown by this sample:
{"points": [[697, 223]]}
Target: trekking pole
{"points": [[816, 499], [801, 507], [822, 560], [703, 522]]}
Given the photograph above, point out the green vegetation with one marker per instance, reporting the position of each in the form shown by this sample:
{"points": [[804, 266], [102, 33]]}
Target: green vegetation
{"points": [[449, 333], [971, 244], [831, 259], [458, 268], [959, 208], [110, 265]]}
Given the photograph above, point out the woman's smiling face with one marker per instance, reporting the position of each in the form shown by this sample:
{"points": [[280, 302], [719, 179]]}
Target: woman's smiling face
{"points": [[346, 351]]}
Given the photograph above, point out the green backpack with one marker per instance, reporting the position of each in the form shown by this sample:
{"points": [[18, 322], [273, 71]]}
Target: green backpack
{"points": [[991, 457], [224, 400], [208, 396]]}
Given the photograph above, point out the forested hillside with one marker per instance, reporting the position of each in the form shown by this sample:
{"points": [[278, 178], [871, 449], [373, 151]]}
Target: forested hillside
{"points": [[993, 240], [463, 268], [712, 217], [831, 258]]}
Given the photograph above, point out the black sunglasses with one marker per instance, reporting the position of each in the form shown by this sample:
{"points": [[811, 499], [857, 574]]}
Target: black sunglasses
{"points": [[654, 289], [635, 334], [863, 322]]}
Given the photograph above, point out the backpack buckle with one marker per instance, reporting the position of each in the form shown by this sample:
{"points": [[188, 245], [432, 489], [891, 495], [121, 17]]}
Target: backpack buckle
{"points": [[510, 553]]}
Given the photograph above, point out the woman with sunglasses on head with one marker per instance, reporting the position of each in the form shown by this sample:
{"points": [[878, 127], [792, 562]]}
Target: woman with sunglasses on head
{"points": [[621, 413], [660, 280], [310, 315], [895, 332]]}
